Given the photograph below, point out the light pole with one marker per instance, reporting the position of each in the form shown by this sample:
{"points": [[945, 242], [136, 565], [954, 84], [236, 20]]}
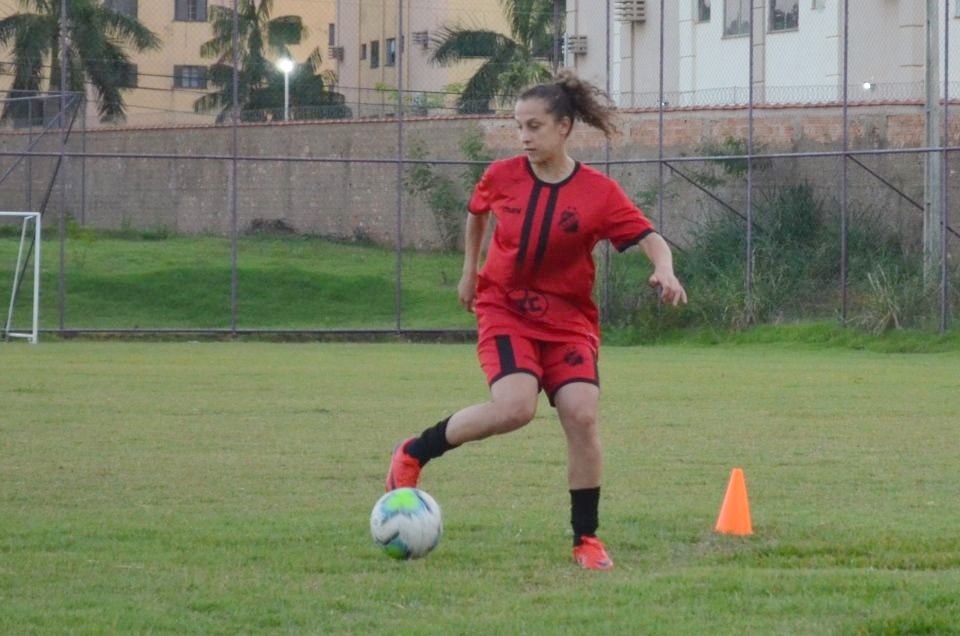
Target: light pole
{"points": [[285, 64]]}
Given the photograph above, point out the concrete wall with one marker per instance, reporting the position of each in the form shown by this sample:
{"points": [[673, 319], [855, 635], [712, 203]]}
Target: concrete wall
{"points": [[359, 200]]}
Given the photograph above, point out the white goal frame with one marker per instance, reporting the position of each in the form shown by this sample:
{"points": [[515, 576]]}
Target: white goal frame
{"points": [[31, 336]]}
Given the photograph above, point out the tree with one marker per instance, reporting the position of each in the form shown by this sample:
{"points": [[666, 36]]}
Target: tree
{"points": [[260, 83], [97, 37], [309, 96], [512, 62]]}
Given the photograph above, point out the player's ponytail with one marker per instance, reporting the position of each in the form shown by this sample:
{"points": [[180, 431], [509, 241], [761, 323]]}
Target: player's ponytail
{"points": [[570, 96]]}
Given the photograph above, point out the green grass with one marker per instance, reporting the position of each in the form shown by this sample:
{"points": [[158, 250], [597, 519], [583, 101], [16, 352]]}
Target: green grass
{"points": [[115, 281], [156, 280], [226, 488], [807, 335]]}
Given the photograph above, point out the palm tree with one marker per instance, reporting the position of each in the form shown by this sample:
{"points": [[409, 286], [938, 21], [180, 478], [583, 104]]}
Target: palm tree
{"points": [[309, 96], [260, 36], [512, 62], [97, 39]]}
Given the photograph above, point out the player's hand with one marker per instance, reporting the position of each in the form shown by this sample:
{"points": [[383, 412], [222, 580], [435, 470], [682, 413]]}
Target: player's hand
{"points": [[668, 287], [467, 291]]}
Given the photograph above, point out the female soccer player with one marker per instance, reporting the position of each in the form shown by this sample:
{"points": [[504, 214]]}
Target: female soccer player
{"points": [[537, 323]]}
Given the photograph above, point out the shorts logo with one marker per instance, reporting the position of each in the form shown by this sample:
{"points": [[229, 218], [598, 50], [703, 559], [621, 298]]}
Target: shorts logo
{"points": [[569, 220], [573, 358], [528, 302]]}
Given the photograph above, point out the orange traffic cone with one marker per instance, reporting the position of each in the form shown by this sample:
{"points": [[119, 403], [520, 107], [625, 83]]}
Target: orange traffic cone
{"points": [[735, 512]]}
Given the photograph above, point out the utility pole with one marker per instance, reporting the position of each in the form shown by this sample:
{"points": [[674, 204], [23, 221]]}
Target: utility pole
{"points": [[933, 163], [557, 34]]}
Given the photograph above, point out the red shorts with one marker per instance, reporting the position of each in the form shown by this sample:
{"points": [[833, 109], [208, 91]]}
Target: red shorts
{"points": [[553, 364]]}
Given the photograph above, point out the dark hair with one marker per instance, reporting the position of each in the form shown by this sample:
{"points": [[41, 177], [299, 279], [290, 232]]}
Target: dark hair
{"points": [[570, 96]]}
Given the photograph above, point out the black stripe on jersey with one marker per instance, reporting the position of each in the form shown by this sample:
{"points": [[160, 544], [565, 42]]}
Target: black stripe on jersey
{"points": [[545, 227], [623, 247], [528, 221], [508, 362]]}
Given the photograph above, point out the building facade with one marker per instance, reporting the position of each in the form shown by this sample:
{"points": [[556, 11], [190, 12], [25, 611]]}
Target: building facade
{"points": [[798, 49], [368, 49], [358, 40], [163, 84]]}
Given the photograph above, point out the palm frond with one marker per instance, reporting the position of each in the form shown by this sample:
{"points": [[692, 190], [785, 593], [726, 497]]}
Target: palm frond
{"points": [[221, 23], [518, 74], [284, 31], [107, 74], [480, 89], [129, 30], [453, 44], [314, 60]]}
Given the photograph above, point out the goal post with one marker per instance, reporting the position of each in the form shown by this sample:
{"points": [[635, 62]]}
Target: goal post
{"points": [[27, 245]]}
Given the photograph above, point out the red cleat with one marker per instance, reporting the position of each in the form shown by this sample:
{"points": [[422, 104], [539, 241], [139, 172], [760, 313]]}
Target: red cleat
{"points": [[591, 554], [404, 469]]}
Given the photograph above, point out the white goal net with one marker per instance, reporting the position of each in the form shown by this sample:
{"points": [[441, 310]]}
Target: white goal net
{"points": [[20, 268]]}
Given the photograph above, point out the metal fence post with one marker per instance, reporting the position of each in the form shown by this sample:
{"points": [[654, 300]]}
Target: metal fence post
{"points": [[399, 65], [845, 176], [62, 222], [944, 190], [234, 143], [749, 256], [29, 167], [83, 159], [605, 299]]}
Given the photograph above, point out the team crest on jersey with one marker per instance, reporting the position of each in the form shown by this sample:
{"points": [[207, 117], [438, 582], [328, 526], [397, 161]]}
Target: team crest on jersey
{"points": [[528, 302], [569, 220]]}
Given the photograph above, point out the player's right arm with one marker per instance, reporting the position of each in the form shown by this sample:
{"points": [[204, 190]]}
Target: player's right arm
{"points": [[467, 289]]}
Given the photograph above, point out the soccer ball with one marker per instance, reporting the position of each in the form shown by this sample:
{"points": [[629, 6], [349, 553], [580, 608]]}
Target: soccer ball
{"points": [[406, 523]]}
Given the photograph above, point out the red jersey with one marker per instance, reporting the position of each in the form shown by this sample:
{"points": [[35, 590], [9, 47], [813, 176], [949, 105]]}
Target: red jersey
{"points": [[537, 280]]}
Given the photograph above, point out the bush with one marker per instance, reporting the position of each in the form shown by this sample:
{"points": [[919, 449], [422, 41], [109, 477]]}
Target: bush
{"points": [[446, 197], [795, 262]]}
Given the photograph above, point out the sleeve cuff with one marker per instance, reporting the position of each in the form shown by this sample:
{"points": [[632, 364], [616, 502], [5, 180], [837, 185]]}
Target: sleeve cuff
{"points": [[622, 247]]}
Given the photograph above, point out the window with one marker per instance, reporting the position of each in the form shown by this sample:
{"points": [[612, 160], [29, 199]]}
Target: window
{"points": [[363, 51], [190, 76], [125, 75], [703, 10], [391, 59], [784, 15], [375, 54], [736, 17], [190, 10], [331, 35], [126, 7]]}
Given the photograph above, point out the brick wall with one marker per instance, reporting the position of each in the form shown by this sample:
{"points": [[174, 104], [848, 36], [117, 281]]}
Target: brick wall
{"points": [[359, 200]]}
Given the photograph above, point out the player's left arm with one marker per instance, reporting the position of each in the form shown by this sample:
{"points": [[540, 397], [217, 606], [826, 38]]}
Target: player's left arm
{"points": [[663, 278]]}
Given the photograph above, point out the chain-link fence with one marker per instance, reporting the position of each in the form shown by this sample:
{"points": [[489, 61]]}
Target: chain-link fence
{"points": [[796, 156]]}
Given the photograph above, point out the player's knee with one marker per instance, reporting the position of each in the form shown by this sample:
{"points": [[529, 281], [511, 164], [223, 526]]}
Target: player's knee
{"points": [[581, 423], [516, 414]]}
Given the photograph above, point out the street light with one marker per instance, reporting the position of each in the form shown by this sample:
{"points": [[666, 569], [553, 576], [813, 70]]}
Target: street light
{"points": [[285, 64]]}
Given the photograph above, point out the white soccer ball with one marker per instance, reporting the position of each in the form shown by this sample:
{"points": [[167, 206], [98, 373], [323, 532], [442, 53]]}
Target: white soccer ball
{"points": [[406, 523]]}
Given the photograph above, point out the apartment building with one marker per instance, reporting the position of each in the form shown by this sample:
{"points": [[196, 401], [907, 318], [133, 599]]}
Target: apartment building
{"points": [[797, 49], [162, 85], [359, 40], [367, 47]]}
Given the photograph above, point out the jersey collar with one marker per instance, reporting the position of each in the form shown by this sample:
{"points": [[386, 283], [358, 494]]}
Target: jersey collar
{"points": [[555, 184]]}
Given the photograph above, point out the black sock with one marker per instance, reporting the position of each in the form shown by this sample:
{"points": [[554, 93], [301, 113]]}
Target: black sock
{"points": [[431, 443], [584, 512]]}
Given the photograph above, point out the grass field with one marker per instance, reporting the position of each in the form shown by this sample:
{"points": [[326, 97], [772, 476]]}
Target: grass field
{"points": [[184, 282], [226, 488], [159, 280]]}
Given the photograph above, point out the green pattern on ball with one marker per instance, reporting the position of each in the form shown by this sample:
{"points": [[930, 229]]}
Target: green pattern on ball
{"points": [[403, 500], [396, 550]]}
